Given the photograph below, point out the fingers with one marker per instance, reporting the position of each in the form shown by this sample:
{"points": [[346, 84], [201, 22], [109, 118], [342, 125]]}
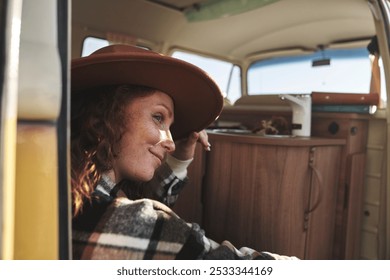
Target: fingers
{"points": [[204, 140], [193, 138], [200, 137], [185, 148]]}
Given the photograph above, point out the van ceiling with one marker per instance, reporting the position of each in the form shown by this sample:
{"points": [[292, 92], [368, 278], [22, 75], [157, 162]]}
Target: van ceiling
{"points": [[283, 24]]}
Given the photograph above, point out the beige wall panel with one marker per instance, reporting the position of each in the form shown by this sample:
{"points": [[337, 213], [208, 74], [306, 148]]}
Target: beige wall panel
{"points": [[369, 245], [377, 132], [372, 191], [370, 217], [374, 162]]}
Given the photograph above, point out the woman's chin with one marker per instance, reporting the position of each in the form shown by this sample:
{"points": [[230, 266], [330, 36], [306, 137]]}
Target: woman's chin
{"points": [[145, 177], [140, 174]]}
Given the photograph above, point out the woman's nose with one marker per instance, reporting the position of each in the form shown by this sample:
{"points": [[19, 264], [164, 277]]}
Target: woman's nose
{"points": [[169, 146], [166, 141]]}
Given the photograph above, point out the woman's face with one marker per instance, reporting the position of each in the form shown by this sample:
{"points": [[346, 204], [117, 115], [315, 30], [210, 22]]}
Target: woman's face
{"points": [[146, 139]]}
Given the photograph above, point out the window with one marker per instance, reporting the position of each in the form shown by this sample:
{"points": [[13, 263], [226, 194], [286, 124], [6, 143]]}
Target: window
{"points": [[349, 71], [225, 74], [92, 44]]}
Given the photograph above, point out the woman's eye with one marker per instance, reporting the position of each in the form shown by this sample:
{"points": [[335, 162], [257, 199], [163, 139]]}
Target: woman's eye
{"points": [[158, 118]]}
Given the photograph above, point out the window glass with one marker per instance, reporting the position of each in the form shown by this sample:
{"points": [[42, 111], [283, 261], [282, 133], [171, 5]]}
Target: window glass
{"points": [[92, 44], [348, 71], [225, 74], [233, 90]]}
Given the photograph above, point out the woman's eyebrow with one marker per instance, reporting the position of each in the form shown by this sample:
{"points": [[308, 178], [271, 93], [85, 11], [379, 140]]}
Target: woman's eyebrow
{"points": [[170, 111]]}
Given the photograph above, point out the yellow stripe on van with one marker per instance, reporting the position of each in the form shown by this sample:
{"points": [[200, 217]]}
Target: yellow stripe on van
{"points": [[8, 184], [36, 196]]}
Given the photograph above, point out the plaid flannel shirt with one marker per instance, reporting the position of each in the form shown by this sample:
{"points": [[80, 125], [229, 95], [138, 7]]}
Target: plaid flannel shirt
{"points": [[113, 226]]}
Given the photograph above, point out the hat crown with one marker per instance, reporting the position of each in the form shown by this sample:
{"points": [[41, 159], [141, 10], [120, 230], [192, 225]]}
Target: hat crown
{"points": [[122, 49]]}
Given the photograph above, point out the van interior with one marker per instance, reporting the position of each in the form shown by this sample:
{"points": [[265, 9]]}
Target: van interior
{"points": [[299, 159]]}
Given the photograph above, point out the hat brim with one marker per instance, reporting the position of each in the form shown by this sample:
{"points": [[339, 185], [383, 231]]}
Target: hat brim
{"points": [[197, 99]]}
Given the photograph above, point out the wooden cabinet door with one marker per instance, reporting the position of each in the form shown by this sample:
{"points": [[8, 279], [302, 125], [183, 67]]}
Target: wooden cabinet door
{"points": [[320, 216], [280, 199], [256, 195], [353, 128]]}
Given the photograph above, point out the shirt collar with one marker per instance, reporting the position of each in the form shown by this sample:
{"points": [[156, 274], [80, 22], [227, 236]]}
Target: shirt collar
{"points": [[105, 184]]}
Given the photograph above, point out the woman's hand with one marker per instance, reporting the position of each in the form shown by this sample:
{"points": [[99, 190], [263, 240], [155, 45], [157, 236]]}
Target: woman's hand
{"points": [[185, 148]]}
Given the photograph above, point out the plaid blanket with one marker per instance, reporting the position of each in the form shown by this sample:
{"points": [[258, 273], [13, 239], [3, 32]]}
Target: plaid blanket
{"points": [[116, 227]]}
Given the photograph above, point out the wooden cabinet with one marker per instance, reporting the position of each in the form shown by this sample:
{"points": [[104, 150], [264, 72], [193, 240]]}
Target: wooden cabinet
{"points": [[354, 129], [233, 164], [272, 194]]}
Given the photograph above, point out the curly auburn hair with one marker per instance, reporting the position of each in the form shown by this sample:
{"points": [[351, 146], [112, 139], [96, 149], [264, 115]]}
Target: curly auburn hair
{"points": [[98, 122]]}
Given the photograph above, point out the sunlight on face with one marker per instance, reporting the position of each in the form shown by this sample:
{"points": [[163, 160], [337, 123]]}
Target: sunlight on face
{"points": [[147, 138]]}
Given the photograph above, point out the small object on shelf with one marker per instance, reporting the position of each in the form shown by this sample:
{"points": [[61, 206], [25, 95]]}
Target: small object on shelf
{"points": [[277, 125]]}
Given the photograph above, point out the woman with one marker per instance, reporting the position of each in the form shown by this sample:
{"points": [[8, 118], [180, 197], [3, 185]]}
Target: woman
{"points": [[125, 103]]}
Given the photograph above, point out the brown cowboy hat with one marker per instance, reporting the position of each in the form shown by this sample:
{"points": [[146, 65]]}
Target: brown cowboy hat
{"points": [[197, 99]]}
